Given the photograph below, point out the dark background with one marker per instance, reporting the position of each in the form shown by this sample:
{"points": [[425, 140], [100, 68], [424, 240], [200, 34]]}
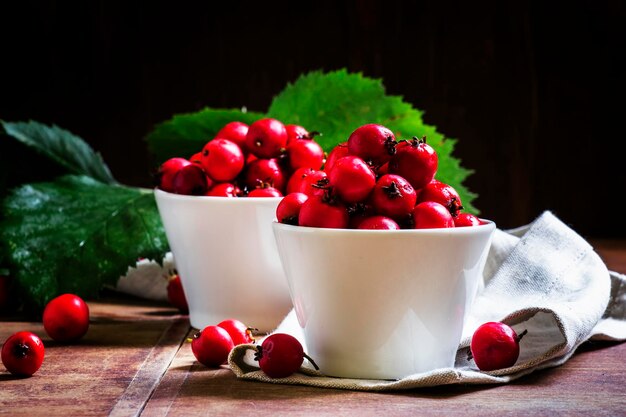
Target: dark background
{"points": [[533, 91]]}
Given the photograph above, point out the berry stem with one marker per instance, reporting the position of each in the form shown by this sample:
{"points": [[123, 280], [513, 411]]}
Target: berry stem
{"points": [[308, 358], [390, 145], [250, 333], [522, 334]]}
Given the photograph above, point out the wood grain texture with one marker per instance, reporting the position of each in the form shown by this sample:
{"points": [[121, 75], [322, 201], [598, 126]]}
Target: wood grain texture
{"points": [[114, 368], [591, 383], [134, 361]]}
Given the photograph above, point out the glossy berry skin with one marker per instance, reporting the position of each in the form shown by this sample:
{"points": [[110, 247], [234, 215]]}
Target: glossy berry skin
{"points": [[393, 197], [443, 194], [296, 178], [416, 161], [431, 215], [352, 179], [289, 207], [280, 355], [335, 154], [323, 211], [373, 143], [239, 332], [224, 189], [494, 346], [235, 132], [266, 138], [191, 180], [211, 346], [222, 160], [308, 181], [265, 192], [383, 170], [23, 353], [265, 171], [196, 158], [66, 318], [305, 153], [176, 294], [378, 223], [167, 171], [296, 132], [466, 220]]}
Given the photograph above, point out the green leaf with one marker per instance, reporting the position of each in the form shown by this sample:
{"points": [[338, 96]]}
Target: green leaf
{"points": [[76, 235], [338, 102], [66, 149], [185, 134], [334, 103]]}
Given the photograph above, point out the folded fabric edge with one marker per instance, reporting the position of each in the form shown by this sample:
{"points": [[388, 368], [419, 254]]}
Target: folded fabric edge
{"points": [[438, 377], [612, 325]]}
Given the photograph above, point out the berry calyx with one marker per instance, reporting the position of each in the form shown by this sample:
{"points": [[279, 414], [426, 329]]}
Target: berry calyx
{"points": [[309, 182], [373, 143], [393, 196], [443, 194], [239, 332], [280, 355], [416, 161], [23, 353], [296, 132], [494, 346], [265, 171]]}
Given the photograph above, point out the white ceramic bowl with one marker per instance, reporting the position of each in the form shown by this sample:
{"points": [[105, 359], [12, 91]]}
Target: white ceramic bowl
{"points": [[382, 304], [227, 258]]}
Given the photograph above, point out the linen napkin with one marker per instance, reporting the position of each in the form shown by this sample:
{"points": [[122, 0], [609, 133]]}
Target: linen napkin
{"points": [[542, 277]]}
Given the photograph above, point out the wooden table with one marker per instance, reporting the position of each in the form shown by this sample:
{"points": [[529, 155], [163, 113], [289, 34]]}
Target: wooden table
{"points": [[135, 360]]}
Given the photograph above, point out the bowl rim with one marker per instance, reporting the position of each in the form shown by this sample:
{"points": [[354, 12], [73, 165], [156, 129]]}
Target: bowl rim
{"points": [[159, 193], [488, 225]]}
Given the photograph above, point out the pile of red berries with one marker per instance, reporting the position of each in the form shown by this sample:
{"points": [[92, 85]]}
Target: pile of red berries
{"points": [[279, 355], [212, 345], [253, 161], [372, 181]]}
